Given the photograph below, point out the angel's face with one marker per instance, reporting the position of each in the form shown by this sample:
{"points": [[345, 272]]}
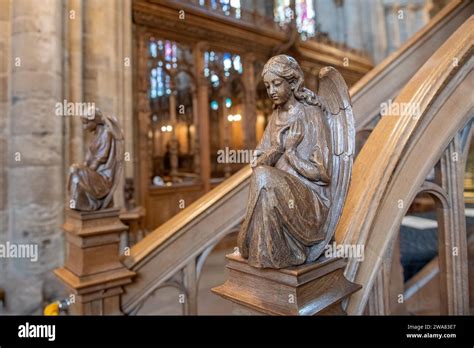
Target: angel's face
{"points": [[278, 89]]}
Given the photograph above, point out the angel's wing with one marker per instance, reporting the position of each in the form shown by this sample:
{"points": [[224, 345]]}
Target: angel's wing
{"points": [[334, 96]]}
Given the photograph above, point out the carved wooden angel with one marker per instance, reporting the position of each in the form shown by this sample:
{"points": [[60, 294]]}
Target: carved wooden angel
{"points": [[302, 168], [91, 185]]}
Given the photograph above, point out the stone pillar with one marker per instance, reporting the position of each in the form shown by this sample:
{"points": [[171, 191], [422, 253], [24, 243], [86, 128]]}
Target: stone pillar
{"points": [[378, 30], [354, 24], [75, 143], [326, 18], [5, 82], [340, 21], [100, 58], [35, 165], [394, 22]]}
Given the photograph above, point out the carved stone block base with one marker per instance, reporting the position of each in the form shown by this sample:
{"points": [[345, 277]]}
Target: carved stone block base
{"points": [[317, 288], [93, 271]]}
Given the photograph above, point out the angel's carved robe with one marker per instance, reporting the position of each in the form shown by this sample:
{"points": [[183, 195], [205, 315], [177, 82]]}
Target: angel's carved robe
{"points": [[288, 204], [91, 183]]}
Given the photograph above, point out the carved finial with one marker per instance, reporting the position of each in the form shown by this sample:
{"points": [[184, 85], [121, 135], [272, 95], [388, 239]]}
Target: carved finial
{"points": [[300, 178], [91, 184]]}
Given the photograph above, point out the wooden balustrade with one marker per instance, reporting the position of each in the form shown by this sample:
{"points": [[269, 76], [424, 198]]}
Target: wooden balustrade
{"points": [[396, 160], [165, 255], [389, 172]]}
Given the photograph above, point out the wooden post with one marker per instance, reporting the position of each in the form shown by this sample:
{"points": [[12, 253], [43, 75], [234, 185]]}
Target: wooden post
{"points": [[143, 115], [93, 271], [196, 148], [203, 111], [173, 149], [317, 288], [226, 130]]}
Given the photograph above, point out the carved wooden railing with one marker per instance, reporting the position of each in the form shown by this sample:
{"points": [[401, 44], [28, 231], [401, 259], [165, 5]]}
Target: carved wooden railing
{"points": [[173, 254], [392, 168]]}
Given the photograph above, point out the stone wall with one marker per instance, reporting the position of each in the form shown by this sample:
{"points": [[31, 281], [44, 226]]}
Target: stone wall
{"points": [[50, 51], [376, 27]]}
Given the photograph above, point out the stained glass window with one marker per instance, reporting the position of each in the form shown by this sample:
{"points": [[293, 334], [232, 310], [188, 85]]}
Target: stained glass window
{"points": [[228, 7], [304, 16], [164, 55], [226, 95], [170, 83], [214, 105], [221, 65], [282, 12]]}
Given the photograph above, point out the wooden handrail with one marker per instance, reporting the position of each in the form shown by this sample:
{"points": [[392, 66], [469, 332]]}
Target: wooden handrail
{"points": [[209, 218], [192, 233], [199, 208], [398, 156]]}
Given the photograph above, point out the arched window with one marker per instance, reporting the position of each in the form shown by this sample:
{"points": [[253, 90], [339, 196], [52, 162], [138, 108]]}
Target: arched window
{"points": [[226, 105], [172, 130]]}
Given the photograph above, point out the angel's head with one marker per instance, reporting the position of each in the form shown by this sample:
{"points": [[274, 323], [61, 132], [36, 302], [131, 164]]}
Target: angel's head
{"points": [[92, 118], [283, 79]]}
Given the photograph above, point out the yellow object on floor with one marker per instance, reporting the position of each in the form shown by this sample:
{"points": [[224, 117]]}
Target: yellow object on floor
{"points": [[52, 309]]}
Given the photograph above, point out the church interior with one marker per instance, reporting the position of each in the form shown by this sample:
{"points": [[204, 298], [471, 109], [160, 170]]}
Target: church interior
{"points": [[182, 82]]}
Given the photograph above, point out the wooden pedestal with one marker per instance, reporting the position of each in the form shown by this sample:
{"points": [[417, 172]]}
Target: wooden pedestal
{"points": [[93, 271], [312, 289]]}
